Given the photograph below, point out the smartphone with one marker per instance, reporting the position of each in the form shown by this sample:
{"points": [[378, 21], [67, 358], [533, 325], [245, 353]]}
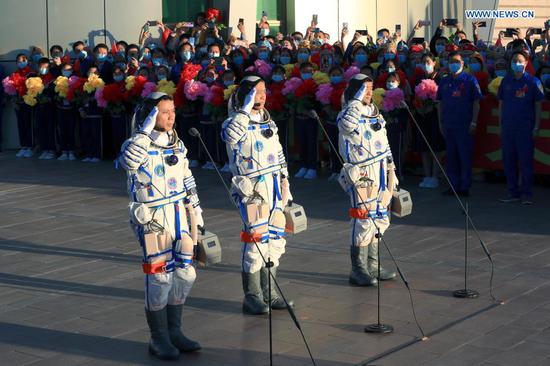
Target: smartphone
{"points": [[241, 20], [316, 30], [425, 23], [315, 18], [345, 25], [192, 41], [537, 30], [417, 40], [398, 28], [451, 22], [482, 24], [152, 23], [363, 32], [510, 32]]}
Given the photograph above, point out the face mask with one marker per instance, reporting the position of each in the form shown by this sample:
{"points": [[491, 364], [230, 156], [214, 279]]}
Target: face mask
{"points": [[317, 42], [303, 57], [22, 64], [43, 71], [518, 67], [66, 73], [146, 56], [439, 48], [264, 32], [501, 73], [132, 55], [337, 79], [455, 67], [228, 83], [306, 75], [361, 58], [210, 79], [186, 56], [36, 57], [389, 56], [429, 68], [284, 60], [391, 85], [263, 56], [238, 60], [101, 56], [161, 76], [475, 67], [118, 77], [213, 54], [278, 78], [157, 61], [297, 40], [56, 54], [391, 69], [82, 54]]}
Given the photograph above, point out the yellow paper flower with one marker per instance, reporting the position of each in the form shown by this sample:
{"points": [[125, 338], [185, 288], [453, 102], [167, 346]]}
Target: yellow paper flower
{"points": [[321, 78], [29, 100], [94, 82], [34, 86], [62, 86], [494, 85], [166, 86], [378, 96], [227, 92], [375, 65], [130, 82], [288, 69]]}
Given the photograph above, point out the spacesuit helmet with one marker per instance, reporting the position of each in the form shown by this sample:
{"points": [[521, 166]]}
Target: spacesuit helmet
{"points": [[355, 83], [143, 109]]}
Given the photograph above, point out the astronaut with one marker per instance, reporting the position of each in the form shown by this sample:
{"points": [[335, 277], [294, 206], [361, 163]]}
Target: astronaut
{"points": [[164, 214], [368, 176], [260, 188]]}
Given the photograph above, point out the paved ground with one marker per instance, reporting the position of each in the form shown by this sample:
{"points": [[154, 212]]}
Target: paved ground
{"points": [[72, 288]]}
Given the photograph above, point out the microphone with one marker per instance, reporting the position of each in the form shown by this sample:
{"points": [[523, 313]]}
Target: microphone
{"points": [[194, 132]]}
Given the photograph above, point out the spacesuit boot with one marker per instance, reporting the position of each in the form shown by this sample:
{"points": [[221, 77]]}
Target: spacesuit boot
{"points": [[277, 302], [253, 302], [160, 345], [372, 264], [360, 275], [177, 338]]}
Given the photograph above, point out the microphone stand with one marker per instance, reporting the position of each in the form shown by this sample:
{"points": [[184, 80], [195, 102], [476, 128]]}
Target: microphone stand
{"points": [[267, 262]]}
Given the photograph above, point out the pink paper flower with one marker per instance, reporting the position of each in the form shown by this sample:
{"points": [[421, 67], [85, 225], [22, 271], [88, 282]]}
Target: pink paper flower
{"points": [[101, 102], [148, 88], [427, 89], [351, 72], [9, 86], [194, 89], [291, 85], [72, 80], [324, 93], [392, 99]]}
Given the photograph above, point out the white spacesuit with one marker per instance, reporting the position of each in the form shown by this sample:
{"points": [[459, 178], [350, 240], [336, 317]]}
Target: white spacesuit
{"points": [[164, 214], [368, 177], [260, 189]]}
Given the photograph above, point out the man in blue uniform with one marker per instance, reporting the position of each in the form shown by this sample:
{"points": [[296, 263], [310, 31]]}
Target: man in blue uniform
{"points": [[459, 95], [520, 96]]}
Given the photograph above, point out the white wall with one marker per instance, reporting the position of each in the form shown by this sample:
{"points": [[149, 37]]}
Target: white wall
{"points": [[23, 23]]}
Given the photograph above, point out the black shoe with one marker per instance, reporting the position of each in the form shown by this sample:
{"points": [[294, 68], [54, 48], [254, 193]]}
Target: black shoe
{"points": [[160, 345], [360, 275], [253, 303], [277, 302], [177, 338]]}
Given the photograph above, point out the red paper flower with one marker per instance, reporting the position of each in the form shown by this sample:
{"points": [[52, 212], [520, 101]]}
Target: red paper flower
{"points": [[276, 101], [112, 93], [213, 14], [307, 89], [336, 96], [75, 88], [483, 81], [189, 72], [179, 96], [215, 96], [19, 83]]}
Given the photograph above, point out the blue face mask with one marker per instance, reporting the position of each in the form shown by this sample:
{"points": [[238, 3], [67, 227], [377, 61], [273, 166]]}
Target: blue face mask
{"points": [[501, 73], [121, 53], [43, 71], [336, 79], [361, 58], [439, 48], [227, 83], [263, 55], [278, 78], [454, 67], [186, 55], [82, 54], [402, 58], [210, 79], [157, 61], [238, 60], [101, 56], [475, 67], [118, 77], [284, 60], [389, 56], [66, 73], [306, 75], [428, 68], [517, 67], [146, 56], [303, 57], [22, 64], [161, 77], [391, 69]]}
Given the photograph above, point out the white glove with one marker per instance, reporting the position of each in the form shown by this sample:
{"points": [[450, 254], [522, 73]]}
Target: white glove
{"points": [[349, 118], [361, 93], [134, 155], [243, 185], [353, 173], [198, 216], [248, 103], [236, 128], [139, 213], [150, 121]]}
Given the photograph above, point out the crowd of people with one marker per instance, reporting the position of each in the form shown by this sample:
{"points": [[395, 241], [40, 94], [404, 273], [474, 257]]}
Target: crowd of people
{"points": [[85, 98]]}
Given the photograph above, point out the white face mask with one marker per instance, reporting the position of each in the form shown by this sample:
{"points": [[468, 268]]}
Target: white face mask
{"points": [[264, 32], [392, 85]]}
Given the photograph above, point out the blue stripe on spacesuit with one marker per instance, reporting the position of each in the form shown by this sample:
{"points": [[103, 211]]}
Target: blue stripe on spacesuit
{"points": [[142, 169], [382, 177], [276, 188], [177, 218]]}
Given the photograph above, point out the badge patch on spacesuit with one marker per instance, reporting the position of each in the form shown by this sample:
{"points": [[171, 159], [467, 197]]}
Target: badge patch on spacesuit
{"points": [[258, 146], [271, 159], [159, 170], [378, 145], [172, 183], [368, 135]]}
